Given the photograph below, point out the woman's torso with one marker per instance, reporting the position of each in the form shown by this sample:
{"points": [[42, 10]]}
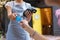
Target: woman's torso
{"points": [[14, 28]]}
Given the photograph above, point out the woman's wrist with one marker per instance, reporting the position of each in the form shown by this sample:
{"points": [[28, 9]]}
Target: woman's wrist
{"points": [[30, 30]]}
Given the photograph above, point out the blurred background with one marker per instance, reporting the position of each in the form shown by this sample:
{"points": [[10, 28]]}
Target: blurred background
{"points": [[43, 21]]}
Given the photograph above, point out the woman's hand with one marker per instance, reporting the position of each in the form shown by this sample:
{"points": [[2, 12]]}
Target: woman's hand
{"points": [[23, 23], [12, 16]]}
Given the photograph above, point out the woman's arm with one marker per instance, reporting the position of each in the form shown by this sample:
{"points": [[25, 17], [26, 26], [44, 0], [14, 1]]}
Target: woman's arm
{"points": [[10, 14], [32, 32]]}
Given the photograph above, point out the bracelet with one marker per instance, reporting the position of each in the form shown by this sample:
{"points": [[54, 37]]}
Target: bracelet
{"points": [[33, 33]]}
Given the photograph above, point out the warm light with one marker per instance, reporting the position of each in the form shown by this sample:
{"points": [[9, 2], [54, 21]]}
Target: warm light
{"points": [[45, 9], [49, 26]]}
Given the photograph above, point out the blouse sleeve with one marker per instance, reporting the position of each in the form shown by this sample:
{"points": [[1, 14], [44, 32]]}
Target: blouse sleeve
{"points": [[29, 6], [9, 4]]}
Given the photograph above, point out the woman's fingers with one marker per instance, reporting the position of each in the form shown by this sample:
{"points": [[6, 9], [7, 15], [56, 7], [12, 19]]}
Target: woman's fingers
{"points": [[24, 22], [12, 16]]}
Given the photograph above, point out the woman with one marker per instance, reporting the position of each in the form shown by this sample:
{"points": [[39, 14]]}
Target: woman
{"points": [[15, 31]]}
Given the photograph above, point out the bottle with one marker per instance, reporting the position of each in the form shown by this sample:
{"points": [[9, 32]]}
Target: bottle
{"points": [[19, 18]]}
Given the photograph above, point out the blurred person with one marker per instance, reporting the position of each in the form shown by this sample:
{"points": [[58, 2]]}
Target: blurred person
{"points": [[15, 30], [58, 16]]}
